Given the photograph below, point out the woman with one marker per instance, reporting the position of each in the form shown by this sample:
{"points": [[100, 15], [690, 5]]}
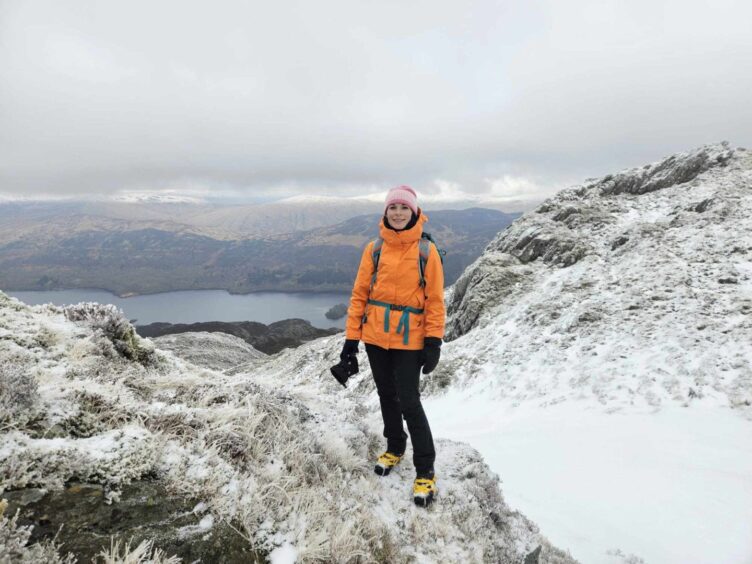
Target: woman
{"points": [[398, 312]]}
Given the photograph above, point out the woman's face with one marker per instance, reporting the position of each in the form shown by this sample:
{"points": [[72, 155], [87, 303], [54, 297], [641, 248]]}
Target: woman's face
{"points": [[398, 215]]}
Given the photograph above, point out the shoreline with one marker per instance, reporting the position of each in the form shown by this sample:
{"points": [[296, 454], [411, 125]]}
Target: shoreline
{"points": [[127, 295]]}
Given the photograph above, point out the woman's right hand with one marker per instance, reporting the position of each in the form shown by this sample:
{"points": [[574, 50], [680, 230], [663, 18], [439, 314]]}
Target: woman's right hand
{"points": [[350, 348]]}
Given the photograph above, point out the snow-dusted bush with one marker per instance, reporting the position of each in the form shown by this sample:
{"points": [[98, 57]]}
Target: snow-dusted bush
{"points": [[14, 547], [115, 327], [277, 453], [18, 391], [95, 414], [112, 458]]}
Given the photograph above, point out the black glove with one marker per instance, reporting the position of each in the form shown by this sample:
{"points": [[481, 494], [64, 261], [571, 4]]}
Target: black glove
{"points": [[431, 354], [350, 348]]}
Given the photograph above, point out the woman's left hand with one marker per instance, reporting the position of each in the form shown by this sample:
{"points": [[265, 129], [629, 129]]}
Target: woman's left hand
{"points": [[431, 354]]}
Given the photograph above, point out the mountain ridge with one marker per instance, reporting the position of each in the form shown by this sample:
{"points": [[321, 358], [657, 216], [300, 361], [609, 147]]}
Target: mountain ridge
{"points": [[150, 260]]}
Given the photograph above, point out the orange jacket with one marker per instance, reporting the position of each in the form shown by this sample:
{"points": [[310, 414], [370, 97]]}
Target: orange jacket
{"points": [[397, 283]]}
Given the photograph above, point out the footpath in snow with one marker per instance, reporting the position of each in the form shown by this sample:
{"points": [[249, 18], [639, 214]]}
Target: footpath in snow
{"points": [[672, 486]]}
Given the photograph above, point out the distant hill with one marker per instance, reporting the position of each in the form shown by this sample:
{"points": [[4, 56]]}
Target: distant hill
{"points": [[269, 339], [43, 220], [150, 259]]}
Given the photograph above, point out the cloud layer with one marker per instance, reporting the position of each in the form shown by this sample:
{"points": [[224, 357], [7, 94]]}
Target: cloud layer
{"points": [[338, 97]]}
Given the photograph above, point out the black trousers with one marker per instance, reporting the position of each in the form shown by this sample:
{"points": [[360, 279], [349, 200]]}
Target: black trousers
{"points": [[397, 376]]}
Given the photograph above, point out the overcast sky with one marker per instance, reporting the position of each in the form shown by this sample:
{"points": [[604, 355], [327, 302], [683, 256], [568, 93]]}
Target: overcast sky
{"points": [[343, 97]]}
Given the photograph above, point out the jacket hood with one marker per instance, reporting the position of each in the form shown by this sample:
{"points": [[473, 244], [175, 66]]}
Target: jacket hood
{"points": [[406, 236]]}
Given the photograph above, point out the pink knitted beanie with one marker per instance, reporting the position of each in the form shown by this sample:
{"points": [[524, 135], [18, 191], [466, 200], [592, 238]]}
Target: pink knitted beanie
{"points": [[402, 195]]}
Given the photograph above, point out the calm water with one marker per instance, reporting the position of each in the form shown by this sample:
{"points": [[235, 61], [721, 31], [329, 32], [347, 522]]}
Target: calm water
{"points": [[204, 305]]}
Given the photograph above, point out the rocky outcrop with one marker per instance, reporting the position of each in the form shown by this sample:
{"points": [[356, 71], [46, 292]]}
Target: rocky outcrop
{"points": [[337, 312], [584, 221], [671, 171], [541, 238], [484, 284], [84, 517], [269, 339]]}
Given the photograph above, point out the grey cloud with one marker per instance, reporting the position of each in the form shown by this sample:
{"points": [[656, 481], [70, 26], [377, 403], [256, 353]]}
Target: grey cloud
{"points": [[336, 96]]}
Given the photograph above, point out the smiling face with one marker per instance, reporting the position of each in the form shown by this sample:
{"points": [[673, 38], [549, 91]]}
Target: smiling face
{"points": [[398, 215]]}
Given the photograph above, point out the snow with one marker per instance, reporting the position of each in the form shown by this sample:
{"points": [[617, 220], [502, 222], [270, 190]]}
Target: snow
{"points": [[669, 486], [165, 197], [285, 554], [611, 396], [279, 444]]}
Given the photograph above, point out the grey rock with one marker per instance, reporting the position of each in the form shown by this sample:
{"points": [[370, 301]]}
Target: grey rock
{"points": [[673, 170], [541, 238], [572, 225], [336, 312], [618, 242], [703, 206], [534, 556], [576, 217], [83, 521], [487, 281]]}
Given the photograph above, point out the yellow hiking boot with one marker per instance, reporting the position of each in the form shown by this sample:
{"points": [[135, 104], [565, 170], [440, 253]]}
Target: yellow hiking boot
{"points": [[386, 462], [424, 490]]}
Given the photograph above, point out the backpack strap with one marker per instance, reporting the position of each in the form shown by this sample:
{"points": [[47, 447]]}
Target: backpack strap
{"points": [[424, 251], [375, 256]]}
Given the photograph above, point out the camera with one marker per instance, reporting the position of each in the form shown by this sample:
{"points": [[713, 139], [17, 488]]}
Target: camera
{"points": [[346, 367]]}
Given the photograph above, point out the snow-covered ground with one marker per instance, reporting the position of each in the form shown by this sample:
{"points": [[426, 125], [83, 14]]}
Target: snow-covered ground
{"points": [[600, 360], [668, 486], [275, 447]]}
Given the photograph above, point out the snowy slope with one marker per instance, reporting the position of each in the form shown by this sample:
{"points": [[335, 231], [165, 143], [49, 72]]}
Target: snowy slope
{"points": [[628, 298], [287, 460], [601, 361]]}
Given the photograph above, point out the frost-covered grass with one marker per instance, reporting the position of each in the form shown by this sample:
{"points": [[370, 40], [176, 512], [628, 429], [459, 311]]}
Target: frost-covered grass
{"points": [[282, 454], [145, 553]]}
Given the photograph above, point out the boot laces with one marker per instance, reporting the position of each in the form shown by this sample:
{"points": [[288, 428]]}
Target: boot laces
{"points": [[424, 485]]}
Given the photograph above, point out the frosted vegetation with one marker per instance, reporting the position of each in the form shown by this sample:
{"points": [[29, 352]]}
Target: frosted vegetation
{"points": [[283, 454], [629, 292]]}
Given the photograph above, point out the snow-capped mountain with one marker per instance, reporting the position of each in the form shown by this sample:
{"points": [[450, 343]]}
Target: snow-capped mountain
{"points": [[635, 288], [157, 198], [280, 456]]}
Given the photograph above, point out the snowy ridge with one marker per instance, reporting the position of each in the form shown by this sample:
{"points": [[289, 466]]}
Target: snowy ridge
{"points": [[157, 198], [218, 351], [283, 453], [631, 290]]}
